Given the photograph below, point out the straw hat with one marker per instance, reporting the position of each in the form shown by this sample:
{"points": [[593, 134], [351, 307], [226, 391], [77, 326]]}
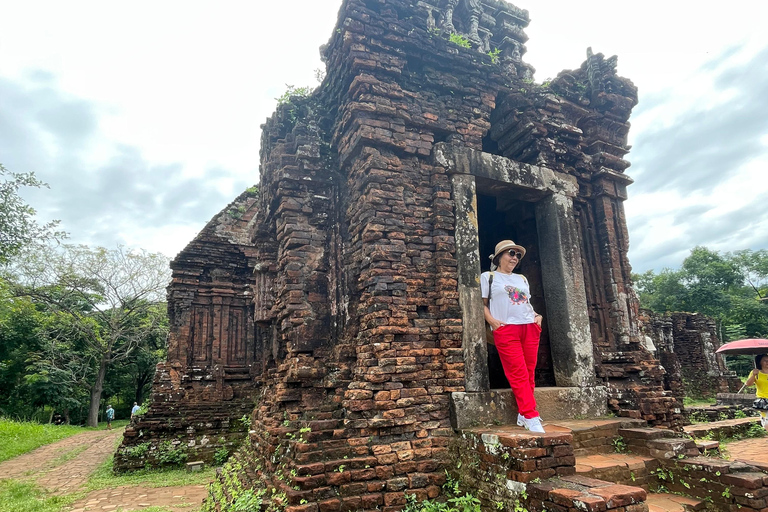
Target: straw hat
{"points": [[505, 245]]}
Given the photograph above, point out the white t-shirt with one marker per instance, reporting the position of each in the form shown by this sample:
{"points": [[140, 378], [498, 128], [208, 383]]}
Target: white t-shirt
{"points": [[510, 296]]}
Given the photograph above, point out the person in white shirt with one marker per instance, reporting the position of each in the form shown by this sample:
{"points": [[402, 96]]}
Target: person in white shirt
{"points": [[516, 327], [135, 409]]}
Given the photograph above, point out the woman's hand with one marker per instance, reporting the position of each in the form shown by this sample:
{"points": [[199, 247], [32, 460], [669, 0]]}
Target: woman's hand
{"points": [[537, 319], [495, 324]]}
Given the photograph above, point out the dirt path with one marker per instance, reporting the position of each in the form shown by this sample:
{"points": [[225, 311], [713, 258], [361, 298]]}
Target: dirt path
{"points": [[63, 467]]}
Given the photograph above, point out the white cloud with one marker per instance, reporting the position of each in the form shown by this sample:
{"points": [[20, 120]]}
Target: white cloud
{"points": [[145, 117]]}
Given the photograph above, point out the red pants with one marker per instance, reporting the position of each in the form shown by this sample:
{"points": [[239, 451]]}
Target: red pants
{"points": [[518, 347]]}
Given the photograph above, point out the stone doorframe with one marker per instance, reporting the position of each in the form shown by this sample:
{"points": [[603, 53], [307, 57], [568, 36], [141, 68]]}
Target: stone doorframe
{"points": [[562, 274]]}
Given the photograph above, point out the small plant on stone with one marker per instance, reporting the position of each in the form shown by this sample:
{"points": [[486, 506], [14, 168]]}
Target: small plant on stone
{"points": [[292, 91], [236, 212], [459, 40], [619, 446], [247, 501], [167, 454], [494, 55], [138, 451], [755, 430], [221, 456], [451, 484]]}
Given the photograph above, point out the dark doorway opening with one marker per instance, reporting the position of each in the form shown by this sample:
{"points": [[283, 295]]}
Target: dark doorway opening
{"points": [[503, 214]]}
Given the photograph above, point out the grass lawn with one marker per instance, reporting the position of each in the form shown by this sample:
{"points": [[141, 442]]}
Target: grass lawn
{"points": [[22, 437], [16, 496], [699, 402], [19, 437], [104, 478]]}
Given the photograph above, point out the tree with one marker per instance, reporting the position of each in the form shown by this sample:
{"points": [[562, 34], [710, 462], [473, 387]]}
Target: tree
{"points": [[18, 226], [109, 300], [20, 323], [729, 287]]}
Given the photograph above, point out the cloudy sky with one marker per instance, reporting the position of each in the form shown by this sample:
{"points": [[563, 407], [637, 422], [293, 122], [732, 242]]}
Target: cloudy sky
{"points": [[144, 117]]}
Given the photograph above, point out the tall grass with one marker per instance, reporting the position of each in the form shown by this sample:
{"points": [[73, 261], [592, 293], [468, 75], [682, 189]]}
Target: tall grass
{"points": [[21, 437]]}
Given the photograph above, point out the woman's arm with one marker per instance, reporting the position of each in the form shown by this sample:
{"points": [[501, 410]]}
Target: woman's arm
{"points": [[495, 324], [751, 379]]}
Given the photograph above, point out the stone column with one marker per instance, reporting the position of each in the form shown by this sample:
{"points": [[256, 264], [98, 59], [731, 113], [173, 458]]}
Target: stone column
{"points": [[470, 299], [563, 279]]}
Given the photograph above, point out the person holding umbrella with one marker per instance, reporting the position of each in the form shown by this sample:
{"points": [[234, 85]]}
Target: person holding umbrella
{"points": [[759, 378]]}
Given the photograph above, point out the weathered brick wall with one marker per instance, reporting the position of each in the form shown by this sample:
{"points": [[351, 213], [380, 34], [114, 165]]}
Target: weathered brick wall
{"points": [[394, 341], [207, 385], [685, 344]]}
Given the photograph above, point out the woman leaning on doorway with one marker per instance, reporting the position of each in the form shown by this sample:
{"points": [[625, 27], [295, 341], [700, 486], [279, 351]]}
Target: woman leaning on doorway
{"points": [[516, 328]]}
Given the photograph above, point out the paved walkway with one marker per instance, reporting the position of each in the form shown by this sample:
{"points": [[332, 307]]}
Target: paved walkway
{"points": [[63, 467], [178, 499], [662, 502], [750, 450]]}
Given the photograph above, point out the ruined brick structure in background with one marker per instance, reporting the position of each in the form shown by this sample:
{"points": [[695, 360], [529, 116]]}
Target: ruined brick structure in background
{"points": [[685, 344], [344, 301], [209, 381]]}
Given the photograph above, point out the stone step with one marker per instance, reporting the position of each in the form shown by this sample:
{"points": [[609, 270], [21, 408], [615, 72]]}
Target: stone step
{"points": [[665, 502], [721, 429], [498, 406], [521, 455], [597, 435], [708, 447], [585, 494], [618, 468]]}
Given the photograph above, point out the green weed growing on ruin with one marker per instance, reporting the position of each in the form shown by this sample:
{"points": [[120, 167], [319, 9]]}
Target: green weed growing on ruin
{"points": [[291, 91], [459, 40], [494, 55]]}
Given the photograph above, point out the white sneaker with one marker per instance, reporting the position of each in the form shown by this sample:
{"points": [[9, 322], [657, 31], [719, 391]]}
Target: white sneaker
{"points": [[521, 420], [533, 424]]}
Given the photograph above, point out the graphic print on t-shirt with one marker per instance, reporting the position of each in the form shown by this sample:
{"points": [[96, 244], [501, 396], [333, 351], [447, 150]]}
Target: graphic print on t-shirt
{"points": [[516, 295]]}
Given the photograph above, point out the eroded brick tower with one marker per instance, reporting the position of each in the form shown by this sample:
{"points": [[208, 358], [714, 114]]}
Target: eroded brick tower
{"points": [[342, 304]]}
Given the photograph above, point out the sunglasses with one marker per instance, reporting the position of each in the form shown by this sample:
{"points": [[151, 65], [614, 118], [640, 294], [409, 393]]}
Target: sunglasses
{"points": [[515, 253]]}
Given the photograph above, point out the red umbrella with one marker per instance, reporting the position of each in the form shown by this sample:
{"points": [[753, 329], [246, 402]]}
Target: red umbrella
{"points": [[753, 347]]}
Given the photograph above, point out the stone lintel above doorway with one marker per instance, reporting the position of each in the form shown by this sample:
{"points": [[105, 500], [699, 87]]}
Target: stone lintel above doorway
{"points": [[498, 406], [532, 180]]}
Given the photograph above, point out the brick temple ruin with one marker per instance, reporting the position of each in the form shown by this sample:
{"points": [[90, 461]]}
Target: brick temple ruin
{"points": [[332, 315]]}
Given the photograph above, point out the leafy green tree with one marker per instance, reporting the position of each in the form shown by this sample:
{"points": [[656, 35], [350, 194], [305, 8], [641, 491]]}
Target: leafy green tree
{"points": [[18, 226], [109, 300], [20, 322], [729, 287]]}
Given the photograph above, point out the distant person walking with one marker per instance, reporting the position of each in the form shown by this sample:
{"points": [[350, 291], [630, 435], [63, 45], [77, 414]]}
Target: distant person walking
{"points": [[135, 409], [110, 416], [759, 378]]}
